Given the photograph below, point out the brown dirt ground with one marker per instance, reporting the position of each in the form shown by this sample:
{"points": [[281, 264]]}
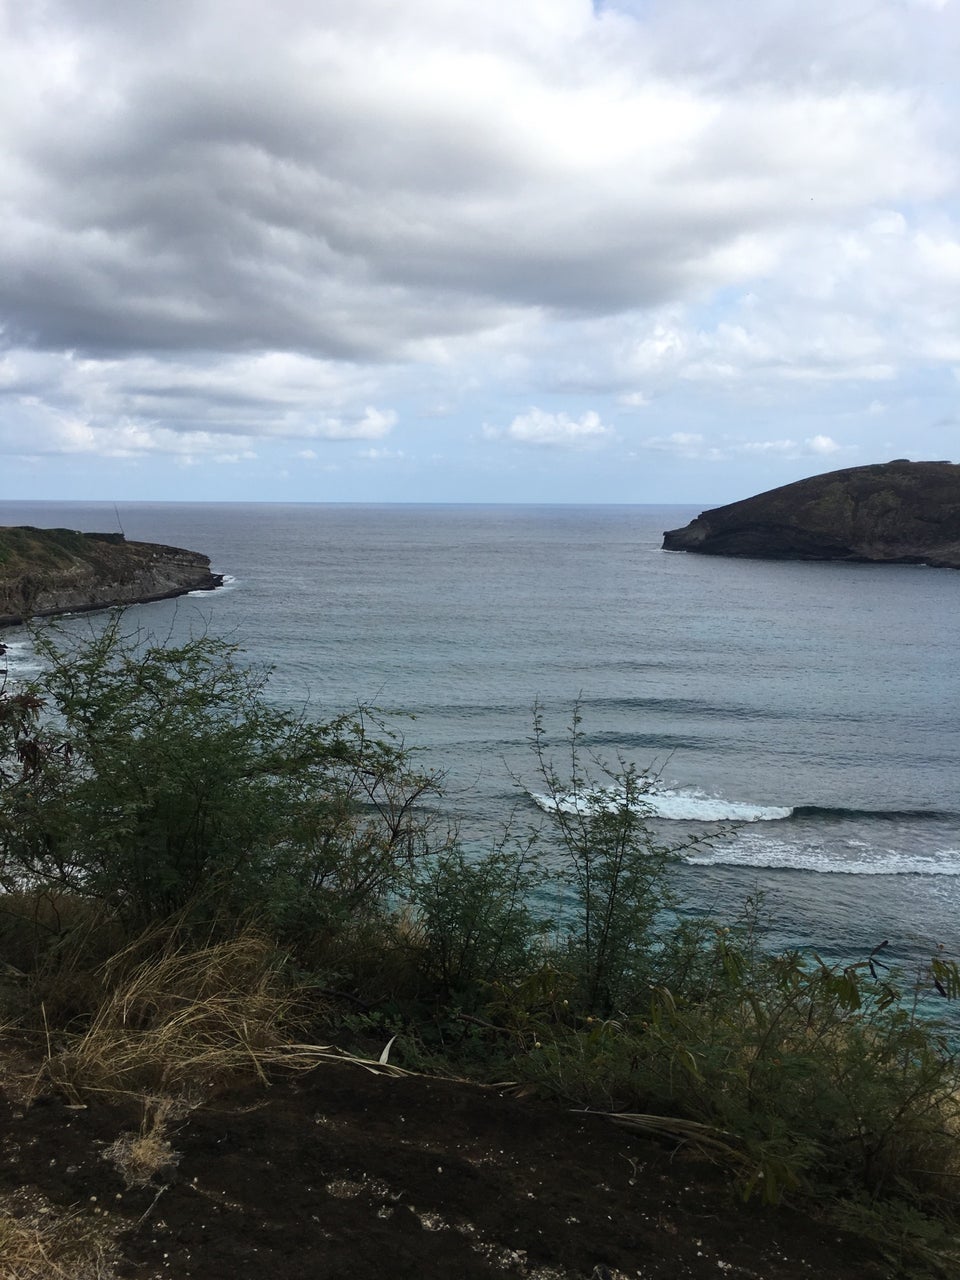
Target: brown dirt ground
{"points": [[343, 1173]]}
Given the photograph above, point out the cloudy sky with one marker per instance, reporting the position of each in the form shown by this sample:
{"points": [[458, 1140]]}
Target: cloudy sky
{"points": [[518, 250]]}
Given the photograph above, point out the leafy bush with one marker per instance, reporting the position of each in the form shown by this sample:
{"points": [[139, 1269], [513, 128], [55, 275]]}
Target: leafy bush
{"points": [[820, 1068], [474, 923], [804, 1076], [159, 779], [612, 867]]}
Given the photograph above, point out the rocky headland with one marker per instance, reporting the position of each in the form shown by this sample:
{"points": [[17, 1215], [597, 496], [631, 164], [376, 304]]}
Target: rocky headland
{"points": [[889, 513], [50, 571]]}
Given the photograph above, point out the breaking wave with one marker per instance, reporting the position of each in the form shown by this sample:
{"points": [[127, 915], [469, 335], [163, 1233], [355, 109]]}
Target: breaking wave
{"points": [[18, 659], [228, 583], [774, 855], [665, 802], [693, 805]]}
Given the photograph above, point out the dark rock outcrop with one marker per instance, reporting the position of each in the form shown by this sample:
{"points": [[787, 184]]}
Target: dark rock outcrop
{"points": [[891, 513], [50, 571]]}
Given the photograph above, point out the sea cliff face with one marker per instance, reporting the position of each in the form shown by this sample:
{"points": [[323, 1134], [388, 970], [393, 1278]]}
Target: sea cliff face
{"points": [[50, 571], [891, 513]]}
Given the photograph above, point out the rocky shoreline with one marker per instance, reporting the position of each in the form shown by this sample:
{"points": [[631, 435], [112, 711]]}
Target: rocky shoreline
{"points": [[45, 572]]}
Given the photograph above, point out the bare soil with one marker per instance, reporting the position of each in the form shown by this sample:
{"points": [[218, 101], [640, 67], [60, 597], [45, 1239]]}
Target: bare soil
{"points": [[343, 1173]]}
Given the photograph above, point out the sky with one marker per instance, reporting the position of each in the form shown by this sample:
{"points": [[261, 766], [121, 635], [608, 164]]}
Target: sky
{"points": [[638, 251]]}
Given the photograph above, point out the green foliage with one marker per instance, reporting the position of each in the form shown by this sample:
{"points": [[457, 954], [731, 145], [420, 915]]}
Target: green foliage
{"points": [[141, 783], [474, 922], [159, 779], [25, 549], [613, 868], [809, 1077]]}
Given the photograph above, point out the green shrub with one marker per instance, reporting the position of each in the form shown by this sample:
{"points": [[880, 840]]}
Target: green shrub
{"points": [[474, 924], [158, 779], [809, 1077], [612, 868]]}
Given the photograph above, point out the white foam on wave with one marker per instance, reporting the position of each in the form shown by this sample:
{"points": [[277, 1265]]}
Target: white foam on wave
{"points": [[228, 583], [665, 802], [19, 659], [861, 860]]}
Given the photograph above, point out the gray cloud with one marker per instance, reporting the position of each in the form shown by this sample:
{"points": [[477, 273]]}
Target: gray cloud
{"points": [[238, 219], [235, 188]]}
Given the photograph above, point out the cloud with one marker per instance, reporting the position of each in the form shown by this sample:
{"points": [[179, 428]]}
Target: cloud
{"points": [[844, 305], [373, 425], [52, 433], [381, 455], [149, 404], [536, 427], [695, 445], [270, 180], [223, 224], [684, 444], [634, 400]]}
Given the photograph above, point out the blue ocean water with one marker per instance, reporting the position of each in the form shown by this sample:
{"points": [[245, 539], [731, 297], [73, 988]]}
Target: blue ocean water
{"points": [[815, 704]]}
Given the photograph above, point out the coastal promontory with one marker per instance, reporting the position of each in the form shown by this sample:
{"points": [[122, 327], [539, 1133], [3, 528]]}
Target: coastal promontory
{"points": [[50, 571], [889, 513]]}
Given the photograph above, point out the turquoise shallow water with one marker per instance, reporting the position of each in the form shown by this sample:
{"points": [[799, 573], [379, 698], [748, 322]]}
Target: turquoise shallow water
{"points": [[815, 704]]}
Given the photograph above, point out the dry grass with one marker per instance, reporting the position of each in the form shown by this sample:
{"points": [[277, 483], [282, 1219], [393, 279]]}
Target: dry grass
{"points": [[144, 1158], [38, 1242], [185, 1022], [706, 1137]]}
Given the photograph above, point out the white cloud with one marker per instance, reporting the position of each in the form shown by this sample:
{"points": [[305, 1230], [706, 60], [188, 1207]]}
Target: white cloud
{"points": [[142, 404], [381, 455], [788, 448], [844, 306], [695, 445], [373, 425], [684, 444], [537, 427]]}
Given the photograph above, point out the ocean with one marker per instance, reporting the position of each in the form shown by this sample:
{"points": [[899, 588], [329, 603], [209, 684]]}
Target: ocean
{"points": [[812, 708]]}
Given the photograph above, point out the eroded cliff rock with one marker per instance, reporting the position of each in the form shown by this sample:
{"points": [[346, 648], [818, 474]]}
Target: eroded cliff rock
{"points": [[50, 571], [892, 512]]}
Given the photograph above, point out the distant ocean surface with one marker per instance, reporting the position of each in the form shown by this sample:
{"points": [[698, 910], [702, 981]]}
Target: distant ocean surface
{"points": [[814, 704]]}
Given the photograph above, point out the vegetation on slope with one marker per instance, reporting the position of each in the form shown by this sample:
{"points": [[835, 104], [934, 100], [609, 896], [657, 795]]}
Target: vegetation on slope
{"points": [[44, 572], [897, 512], [26, 550], [22, 547], [197, 883]]}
